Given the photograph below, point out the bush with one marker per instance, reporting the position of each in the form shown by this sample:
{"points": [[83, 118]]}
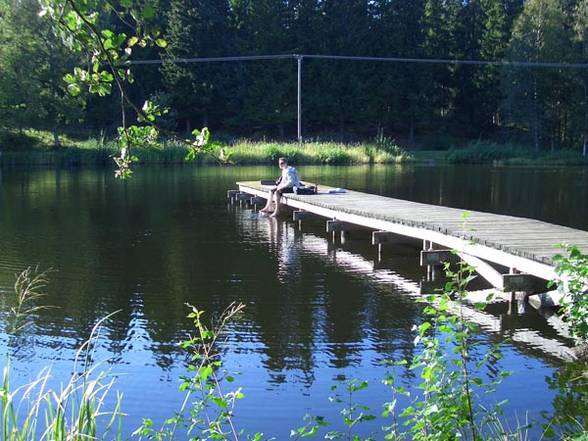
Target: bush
{"points": [[482, 152]]}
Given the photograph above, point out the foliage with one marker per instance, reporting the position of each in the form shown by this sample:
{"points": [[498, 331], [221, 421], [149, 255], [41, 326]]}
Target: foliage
{"points": [[207, 409], [32, 62], [572, 272], [546, 106], [485, 152], [448, 407], [536, 98], [90, 28], [453, 394], [570, 403], [35, 412]]}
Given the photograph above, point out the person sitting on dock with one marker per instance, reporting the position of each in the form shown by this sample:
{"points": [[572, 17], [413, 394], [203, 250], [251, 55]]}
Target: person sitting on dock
{"points": [[285, 184]]}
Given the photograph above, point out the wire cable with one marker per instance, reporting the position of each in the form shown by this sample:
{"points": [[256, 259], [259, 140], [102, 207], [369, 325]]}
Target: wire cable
{"points": [[530, 64]]}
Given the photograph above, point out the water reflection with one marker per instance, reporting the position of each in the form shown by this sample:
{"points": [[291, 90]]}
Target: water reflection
{"points": [[315, 311]]}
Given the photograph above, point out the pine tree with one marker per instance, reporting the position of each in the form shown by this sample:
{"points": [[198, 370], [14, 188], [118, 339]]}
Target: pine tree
{"points": [[440, 27], [483, 36], [533, 96], [197, 28], [580, 29]]}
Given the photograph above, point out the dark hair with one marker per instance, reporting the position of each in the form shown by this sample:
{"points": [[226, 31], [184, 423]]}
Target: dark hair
{"points": [[282, 159]]}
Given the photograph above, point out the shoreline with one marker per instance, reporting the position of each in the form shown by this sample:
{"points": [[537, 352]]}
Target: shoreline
{"points": [[91, 153]]}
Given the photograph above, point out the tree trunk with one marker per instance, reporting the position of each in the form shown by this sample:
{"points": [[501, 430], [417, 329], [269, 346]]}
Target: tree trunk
{"points": [[584, 146], [56, 140], [411, 131]]}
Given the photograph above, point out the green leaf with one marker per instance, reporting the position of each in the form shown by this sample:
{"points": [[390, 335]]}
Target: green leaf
{"points": [[148, 12], [74, 89], [161, 42]]}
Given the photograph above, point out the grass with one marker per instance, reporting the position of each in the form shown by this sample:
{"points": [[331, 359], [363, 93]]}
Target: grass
{"points": [[76, 410], [485, 152], [36, 148]]}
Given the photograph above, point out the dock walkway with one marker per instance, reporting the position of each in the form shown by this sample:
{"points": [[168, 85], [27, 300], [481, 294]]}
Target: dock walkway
{"points": [[522, 245]]}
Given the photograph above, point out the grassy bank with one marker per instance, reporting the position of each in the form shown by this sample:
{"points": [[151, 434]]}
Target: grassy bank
{"points": [[484, 152], [37, 148]]}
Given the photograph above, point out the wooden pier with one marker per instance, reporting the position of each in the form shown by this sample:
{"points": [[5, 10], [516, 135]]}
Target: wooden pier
{"points": [[512, 253]]}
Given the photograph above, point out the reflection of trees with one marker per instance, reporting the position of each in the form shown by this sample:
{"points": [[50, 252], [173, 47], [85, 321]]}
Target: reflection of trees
{"points": [[318, 302], [570, 404]]}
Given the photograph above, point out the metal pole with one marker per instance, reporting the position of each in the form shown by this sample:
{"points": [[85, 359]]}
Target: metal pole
{"points": [[299, 60]]}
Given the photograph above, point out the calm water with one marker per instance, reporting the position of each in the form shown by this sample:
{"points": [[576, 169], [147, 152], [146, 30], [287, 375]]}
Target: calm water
{"points": [[315, 312]]}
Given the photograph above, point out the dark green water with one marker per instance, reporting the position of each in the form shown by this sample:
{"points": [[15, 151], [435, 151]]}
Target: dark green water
{"points": [[315, 312]]}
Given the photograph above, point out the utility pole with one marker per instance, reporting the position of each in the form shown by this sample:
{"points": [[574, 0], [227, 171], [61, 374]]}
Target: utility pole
{"points": [[299, 61]]}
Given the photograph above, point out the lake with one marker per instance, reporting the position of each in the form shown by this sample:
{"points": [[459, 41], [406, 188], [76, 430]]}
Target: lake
{"points": [[316, 312]]}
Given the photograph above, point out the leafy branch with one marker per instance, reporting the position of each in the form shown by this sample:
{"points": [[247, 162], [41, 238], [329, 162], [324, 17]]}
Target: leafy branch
{"points": [[80, 25]]}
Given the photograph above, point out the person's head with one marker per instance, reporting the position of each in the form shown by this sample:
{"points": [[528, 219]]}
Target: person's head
{"points": [[282, 163]]}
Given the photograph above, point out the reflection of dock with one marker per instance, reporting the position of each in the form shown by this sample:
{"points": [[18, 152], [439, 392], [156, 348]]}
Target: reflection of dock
{"points": [[488, 322], [513, 254], [497, 325]]}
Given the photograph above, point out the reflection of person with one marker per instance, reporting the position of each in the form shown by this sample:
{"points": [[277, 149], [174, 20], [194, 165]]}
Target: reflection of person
{"points": [[285, 184]]}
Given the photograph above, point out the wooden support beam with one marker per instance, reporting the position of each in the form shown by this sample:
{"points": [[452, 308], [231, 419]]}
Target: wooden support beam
{"points": [[256, 200], [524, 282], [485, 270], [380, 237], [241, 196], [231, 194], [505, 282], [437, 257], [298, 215], [549, 299], [336, 226]]}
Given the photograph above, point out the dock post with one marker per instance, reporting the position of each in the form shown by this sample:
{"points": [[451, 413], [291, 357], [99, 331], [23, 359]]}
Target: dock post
{"points": [[431, 273], [231, 195], [297, 216]]}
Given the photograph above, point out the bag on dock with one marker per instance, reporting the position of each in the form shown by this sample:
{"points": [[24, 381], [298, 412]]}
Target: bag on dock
{"points": [[269, 182], [303, 189]]}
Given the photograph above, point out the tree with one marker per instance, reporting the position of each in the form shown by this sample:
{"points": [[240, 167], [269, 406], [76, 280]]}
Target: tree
{"points": [[483, 35], [194, 28], [32, 64], [539, 35], [580, 28], [440, 25]]}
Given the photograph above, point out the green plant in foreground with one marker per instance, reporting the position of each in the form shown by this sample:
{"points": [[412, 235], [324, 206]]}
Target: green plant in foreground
{"points": [[28, 289], [572, 271], [207, 409], [35, 412], [448, 405]]}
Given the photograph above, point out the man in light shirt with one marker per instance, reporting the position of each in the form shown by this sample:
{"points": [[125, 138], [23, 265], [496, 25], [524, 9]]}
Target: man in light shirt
{"points": [[285, 184]]}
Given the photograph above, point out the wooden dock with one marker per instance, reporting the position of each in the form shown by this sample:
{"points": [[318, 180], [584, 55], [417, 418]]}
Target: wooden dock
{"points": [[512, 253]]}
